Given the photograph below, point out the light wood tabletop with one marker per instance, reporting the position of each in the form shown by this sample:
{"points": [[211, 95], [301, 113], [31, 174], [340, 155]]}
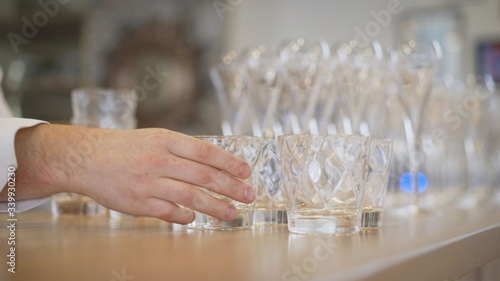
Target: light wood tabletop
{"points": [[442, 245]]}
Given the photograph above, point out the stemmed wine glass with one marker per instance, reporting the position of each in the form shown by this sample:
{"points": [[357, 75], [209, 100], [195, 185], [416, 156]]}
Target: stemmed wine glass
{"points": [[478, 109], [418, 63], [232, 92], [270, 103], [303, 62], [358, 71]]}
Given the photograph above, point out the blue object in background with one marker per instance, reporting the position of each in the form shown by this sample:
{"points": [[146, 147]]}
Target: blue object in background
{"points": [[407, 185]]}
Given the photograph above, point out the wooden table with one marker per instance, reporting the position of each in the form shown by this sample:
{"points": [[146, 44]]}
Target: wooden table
{"points": [[439, 246]]}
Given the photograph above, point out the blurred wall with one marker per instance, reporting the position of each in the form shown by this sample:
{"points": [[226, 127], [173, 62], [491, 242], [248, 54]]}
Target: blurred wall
{"points": [[259, 21], [52, 61]]}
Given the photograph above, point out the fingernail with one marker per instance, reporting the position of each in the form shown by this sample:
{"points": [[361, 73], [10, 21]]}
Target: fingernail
{"points": [[249, 195], [231, 213], [245, 171]]}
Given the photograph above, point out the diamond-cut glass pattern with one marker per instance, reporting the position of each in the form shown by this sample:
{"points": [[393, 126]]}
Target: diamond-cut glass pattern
{"points": [[245, 147], [378, 173], [270, 193], [324, 175]]}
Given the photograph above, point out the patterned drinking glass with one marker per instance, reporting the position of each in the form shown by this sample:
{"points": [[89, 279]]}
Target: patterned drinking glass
{"points": [[247, 148], [324, 179], [376, 182], [270, 205]]}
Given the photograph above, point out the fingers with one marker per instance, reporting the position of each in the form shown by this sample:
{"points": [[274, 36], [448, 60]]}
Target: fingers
{"points": [[168, 211], [194, 198], [206, 153], [208, 177]]}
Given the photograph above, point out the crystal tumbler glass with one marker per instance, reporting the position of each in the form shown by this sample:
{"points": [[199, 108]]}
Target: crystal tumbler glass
{"points": [[379, 162], [324, 179], [270, 204], [248, 148]]}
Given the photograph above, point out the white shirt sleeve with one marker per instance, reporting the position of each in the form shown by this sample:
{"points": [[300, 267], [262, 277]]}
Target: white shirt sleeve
{"points": [[8, 130]]}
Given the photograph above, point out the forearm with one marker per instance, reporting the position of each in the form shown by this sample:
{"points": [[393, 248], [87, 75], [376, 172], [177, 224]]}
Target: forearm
{"points": [[147, 172], [42, 165]]}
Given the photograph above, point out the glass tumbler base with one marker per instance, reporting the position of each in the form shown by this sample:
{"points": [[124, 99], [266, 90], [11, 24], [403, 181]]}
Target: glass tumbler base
{"points": [[371, 219], [244, 220], [337, 225], [270, 216], [75, 204]]}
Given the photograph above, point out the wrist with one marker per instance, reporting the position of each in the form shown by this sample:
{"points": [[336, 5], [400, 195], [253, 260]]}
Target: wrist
{"points": [[49, 160]]}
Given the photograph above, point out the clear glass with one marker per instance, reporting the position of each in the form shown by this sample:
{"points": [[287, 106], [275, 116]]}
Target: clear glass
{"points": [[100, 108], [75, 204], [444, 170], [271, 104], [303, 63], [247, 148], [324, 179], [232, 94], [418, 63], [377, 179], [360, 76], [479, 103], [104, 108], [270, 204]]}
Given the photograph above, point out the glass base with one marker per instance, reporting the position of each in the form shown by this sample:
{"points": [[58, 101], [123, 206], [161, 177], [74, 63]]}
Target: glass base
{"points": [[244, 220], [270, 216], [337, 225], [75, 204], [371, 219]]}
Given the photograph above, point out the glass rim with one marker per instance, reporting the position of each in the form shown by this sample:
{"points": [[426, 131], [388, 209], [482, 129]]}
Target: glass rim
{"points": [[321, 135], [331, 135]]}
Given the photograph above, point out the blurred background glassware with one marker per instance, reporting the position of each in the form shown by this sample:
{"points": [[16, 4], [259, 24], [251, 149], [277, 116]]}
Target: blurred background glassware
{"points": [[104, 108], [270, 203], [493, 106], [418, 63], [377, 178], [249, 149], [358, 74], [477, 102], [271, 104], [100, 108], [324, 179], [444, 163], [303, 62], [228, 78], [330, 113]]}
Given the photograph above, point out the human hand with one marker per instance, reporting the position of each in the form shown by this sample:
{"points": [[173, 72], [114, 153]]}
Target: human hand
{"points": [[147, 172]]}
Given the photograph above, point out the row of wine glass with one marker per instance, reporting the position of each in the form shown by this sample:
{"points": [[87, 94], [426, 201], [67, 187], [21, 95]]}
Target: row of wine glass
{"points": [[444, 141]]}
